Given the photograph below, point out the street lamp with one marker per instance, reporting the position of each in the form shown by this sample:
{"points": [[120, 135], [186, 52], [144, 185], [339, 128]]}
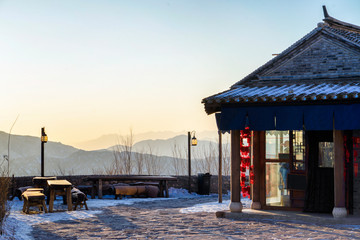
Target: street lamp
{"points": [[44, 139], [192, 141]]}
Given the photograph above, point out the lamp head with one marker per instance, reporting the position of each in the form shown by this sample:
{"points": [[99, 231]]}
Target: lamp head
{"points": [[193, 141], [44, 137]]}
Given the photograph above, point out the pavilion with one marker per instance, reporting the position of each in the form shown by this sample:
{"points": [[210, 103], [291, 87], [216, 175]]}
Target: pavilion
{"points": [[302, 109]]}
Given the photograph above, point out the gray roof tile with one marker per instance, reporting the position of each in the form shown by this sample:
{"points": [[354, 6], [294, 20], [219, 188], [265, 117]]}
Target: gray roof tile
{"points": [[288, 92], [335, 77]]}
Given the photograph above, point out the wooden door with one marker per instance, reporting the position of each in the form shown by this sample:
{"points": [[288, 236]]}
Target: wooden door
{"points": [[297, 175], [319, 195]]}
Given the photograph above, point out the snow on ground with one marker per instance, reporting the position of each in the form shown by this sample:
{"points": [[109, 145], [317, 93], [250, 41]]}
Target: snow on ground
{"points": [[19, 225], [213, 206], [23, 223]]}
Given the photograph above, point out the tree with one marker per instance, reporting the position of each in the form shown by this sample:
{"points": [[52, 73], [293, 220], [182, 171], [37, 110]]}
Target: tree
{"points": [[123, 154]]}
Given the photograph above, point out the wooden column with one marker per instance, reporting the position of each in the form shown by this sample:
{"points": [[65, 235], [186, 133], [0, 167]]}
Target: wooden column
{"points": [[262, 163], [99, 188], [256, 168], [339, 180], [235, 204]]}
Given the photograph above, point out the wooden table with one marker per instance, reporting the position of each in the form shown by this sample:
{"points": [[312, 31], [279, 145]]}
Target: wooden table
{"points": [[60, 187], [97, 182], [41, 182]]}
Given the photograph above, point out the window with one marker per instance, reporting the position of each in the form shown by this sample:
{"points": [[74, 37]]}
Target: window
{"points": [[298, 151], [277, 145], [326, 154], [276, 184], [277, 168]]}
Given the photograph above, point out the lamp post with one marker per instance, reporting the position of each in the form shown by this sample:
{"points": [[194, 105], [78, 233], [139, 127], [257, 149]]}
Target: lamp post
{"points": [[192, 141], [44, 139], [220, 168]]}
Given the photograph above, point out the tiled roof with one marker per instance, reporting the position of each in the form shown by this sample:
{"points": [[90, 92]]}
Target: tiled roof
{"points": [[288, 93], [328, 75], [349, 35]]}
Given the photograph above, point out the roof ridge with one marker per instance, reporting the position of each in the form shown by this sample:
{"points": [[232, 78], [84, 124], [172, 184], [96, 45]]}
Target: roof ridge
{"points": [[336, 23], [329, 23], [349, 36]]}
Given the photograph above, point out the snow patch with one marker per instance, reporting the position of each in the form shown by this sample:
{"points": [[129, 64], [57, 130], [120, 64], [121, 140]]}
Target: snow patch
{"points": [[213, 206], [20, 225]]}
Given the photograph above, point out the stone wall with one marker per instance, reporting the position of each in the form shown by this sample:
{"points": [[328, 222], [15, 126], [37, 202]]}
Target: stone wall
{"points": [[182, 182]]}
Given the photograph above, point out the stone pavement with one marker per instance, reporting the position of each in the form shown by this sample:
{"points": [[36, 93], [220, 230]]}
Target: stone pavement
{"points": [[162, 220]]}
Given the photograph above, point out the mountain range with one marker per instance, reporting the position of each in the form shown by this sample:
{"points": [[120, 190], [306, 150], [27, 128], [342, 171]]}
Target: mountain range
{"points": [[105, 141], [169, 155]]}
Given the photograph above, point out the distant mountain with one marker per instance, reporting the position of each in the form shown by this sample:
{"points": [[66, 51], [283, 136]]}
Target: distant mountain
{"points": [[25, 152], [102, 142], [156, 156], [61, 159], [106, 141], [28, 145], [166, 147]]}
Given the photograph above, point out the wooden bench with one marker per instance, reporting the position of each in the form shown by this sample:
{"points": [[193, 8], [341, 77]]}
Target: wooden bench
{"points": [[34, 198], [156, 184], [97, 182], [153, 191], [41, 190], [148, 191]]}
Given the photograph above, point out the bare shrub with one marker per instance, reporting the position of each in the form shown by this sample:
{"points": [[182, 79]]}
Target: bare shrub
{"points": [[5, 183], [178, 154], [123, 154], [117, 166], [61, 171], [99, 171], [127, 143], [152, 163], [4, 191], [139, 162], [207, 158]]}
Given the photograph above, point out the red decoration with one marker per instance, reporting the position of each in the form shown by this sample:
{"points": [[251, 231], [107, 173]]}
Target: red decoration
{"points": [[356, 169], [245, 145], [356, 147], [252, 176]]}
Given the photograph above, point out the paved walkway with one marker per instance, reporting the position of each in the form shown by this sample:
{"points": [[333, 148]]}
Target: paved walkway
{"points": [[162, 220]]}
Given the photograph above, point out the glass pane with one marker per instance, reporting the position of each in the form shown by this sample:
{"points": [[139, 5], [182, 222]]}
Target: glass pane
{"points": [[276, 184], [326, 154], [299, 150], [277, 145]]}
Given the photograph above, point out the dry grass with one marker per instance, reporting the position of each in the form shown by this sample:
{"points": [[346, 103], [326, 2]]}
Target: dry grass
{"points": [[4, 206]]}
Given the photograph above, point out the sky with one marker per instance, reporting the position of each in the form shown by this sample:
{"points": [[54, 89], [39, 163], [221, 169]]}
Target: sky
{"points": [[86, 68]]}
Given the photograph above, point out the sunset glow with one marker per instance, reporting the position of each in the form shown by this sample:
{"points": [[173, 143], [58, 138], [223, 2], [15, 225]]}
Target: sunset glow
{"points": [[87, 68]]}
